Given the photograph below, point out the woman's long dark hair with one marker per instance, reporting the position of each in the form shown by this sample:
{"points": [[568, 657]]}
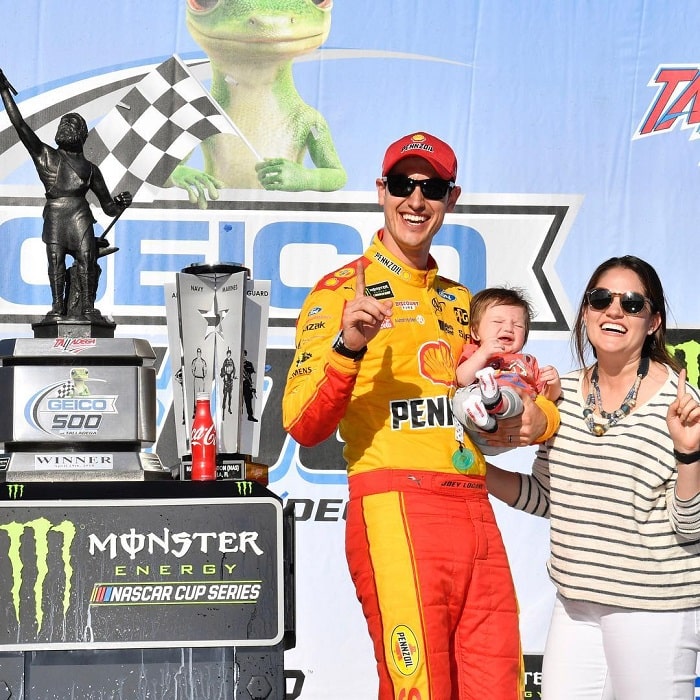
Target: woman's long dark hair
{"points": [[654, 344]]}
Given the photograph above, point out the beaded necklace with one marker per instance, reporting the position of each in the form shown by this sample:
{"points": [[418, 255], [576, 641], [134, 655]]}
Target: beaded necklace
{"points": [[616, 416]]}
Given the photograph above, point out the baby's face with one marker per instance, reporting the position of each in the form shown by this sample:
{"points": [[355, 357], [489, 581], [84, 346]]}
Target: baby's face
{"points": [[505, 324]]}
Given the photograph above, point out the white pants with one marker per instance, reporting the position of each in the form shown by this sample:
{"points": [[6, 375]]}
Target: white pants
{"points": [[599, 652]]}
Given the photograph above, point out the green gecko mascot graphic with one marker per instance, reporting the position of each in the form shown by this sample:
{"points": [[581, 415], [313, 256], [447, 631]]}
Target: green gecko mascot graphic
{"points": [[251, 45]]}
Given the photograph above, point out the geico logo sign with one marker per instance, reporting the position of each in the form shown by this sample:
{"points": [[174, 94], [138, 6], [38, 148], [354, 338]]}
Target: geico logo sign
{"points": [[290, 247], [69, 415], [52, 546], [98, 403]]}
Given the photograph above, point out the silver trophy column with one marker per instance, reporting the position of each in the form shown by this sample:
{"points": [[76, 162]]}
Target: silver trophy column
{"points": [[217, 329]]}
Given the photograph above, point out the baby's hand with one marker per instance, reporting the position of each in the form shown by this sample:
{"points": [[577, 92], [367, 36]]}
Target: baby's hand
{"points": [[552, 384], [491, 347]]}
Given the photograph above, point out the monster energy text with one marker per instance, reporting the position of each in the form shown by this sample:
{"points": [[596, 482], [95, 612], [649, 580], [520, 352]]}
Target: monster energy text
{"points": [[177, 544]]}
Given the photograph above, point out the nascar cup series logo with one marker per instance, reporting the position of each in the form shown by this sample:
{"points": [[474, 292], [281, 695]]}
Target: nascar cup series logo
{"points": [[47, 537], [72, 407]]}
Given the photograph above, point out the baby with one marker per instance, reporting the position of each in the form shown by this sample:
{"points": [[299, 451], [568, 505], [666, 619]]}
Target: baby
{"points": [[493, 364]]}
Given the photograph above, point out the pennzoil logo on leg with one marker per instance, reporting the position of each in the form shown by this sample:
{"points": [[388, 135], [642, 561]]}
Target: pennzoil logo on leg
{"points": [[404, 650], [46, 536]]}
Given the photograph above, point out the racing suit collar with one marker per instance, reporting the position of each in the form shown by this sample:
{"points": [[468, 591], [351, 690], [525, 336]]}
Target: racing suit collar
{"points": [[378, 253]]}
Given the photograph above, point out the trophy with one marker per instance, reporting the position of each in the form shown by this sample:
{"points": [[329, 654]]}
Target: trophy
{"points": [[82, 403], [217, 331]]}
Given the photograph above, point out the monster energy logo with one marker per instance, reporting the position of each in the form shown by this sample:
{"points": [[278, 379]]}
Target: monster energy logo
{"points": [[15, 491], [41, 527], [688, 354], [245, 488]]}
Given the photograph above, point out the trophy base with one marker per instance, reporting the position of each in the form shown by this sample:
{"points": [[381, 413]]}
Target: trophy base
{"points": [[229, 467], [66, 327], [22, 467]]}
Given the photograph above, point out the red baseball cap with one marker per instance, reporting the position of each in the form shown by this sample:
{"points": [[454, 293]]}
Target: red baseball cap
{"points": [[422, 145]]}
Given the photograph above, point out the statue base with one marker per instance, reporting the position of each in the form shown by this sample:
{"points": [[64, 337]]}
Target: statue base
{"points": [[66, 327]]}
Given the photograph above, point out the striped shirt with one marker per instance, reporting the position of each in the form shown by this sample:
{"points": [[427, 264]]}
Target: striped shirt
{"points": [[618, 533]]}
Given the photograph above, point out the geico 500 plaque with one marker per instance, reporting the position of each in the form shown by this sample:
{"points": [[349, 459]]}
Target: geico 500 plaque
{"points": [[78, 404]]}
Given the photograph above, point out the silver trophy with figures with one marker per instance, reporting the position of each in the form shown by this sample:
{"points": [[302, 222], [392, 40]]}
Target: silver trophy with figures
{"points": [[217, 332]]}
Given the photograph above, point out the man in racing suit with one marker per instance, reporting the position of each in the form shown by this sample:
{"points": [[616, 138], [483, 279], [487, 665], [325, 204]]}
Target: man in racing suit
{"points": [[377, 343]]}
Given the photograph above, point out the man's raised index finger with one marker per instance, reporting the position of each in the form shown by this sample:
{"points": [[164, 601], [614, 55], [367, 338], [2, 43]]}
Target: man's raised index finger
{"points": [[360, 280]]}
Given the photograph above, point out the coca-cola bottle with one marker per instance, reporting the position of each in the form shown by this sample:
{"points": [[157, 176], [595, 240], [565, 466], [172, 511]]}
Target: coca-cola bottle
{"points": [[203, 441]]}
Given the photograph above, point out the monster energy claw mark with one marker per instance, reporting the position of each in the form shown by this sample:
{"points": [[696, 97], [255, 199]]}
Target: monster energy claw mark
{"points": [[245, 488], [41, 528], [15, 491]]}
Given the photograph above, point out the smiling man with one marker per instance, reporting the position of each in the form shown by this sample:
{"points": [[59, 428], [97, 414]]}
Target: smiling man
{"points": [[377, 343]]}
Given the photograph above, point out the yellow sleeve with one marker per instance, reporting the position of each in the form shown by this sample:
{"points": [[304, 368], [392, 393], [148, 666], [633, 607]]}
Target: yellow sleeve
{"points": [[320, 381], [551, 413]]}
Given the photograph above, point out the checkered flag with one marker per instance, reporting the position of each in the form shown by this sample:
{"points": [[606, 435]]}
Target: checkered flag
{"points": [[65, 390], [155, 126]]}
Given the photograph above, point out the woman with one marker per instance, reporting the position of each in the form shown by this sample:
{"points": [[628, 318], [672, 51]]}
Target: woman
{"points": [[620, 482]]}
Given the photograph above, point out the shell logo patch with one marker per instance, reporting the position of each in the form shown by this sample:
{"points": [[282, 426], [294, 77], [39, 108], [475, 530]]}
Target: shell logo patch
{"points": [[404, 650], [336, 279], [435, 362]]}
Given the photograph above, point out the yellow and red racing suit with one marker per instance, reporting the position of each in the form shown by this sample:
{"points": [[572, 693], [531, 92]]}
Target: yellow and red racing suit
{"points": [[422, 544]]}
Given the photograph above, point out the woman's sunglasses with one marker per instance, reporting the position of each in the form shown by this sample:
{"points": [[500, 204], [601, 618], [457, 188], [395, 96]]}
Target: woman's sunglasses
{"points": [[631, 302], [432, 188]]}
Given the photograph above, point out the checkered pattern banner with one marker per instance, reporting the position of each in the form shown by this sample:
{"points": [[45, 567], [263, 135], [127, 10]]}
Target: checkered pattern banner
{"points": [[156, 125], [65, 390]]}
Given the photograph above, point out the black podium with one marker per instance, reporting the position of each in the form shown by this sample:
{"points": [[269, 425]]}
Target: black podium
{"points": [[151, 589]]}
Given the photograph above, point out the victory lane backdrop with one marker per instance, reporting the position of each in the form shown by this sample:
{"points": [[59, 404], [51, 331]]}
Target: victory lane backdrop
{"points": [[577, 139]]}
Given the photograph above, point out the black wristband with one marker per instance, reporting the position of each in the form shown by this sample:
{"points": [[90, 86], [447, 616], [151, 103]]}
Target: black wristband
{"points": [[687, 457], [340, 347]]}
